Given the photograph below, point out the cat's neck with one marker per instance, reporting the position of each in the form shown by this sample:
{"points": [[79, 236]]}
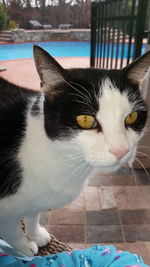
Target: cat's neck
{"points": [[36, 144], [64, 173]]}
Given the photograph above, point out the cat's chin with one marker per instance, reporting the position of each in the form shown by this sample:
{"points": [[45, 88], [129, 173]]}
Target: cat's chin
{"points": [[114, 167], [109, 169]]}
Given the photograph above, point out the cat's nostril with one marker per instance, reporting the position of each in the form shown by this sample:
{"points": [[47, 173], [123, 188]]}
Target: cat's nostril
{"points": [[119, 153]]}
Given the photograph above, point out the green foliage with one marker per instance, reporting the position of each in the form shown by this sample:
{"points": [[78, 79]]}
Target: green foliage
{"points": [[3, 17], [11, 24]]}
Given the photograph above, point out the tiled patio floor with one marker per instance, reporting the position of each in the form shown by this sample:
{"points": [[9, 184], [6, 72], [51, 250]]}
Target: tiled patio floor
{"points": [[112, 209]]}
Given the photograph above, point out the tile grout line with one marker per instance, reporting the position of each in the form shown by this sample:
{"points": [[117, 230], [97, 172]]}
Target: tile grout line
{"points": [[85, 229], [121, 225]]}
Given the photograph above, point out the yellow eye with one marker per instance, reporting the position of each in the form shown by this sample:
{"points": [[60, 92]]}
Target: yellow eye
{"points": [[85, 121], [131, 118]]}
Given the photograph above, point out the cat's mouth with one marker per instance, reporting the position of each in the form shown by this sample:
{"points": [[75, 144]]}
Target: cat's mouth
{"points": [[111, 167], [107, 168]]}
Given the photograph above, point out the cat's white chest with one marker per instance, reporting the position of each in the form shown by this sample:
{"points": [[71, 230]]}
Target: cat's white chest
{"points": [[50, 178]]}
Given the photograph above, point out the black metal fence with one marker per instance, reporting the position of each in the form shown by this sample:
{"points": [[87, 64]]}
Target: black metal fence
{"points": [[117, 32]]}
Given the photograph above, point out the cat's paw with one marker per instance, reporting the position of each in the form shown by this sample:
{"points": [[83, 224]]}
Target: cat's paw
{"points": [[42, 237], [26, 246]]}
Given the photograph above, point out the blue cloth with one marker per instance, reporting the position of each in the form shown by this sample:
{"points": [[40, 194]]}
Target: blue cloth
{"points": [[97, 256]]}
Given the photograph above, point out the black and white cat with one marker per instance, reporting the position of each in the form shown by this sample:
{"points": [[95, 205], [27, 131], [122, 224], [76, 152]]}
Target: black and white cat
{"points": [[51, 140]]}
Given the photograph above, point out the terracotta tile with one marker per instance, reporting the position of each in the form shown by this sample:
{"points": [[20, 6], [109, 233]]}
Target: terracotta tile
{"points": [[143, 180], [111, 233], [123, 171], [77, 204], [89, 245], [118, 180], [141, 176], [77, 245], [129, 197], [122, 180], [92, 201], [107, 197], [130, 180], [65, 216], [135, 216], [147, 244], [68, 233], [97, 179], [103, 217], [137, 232]]}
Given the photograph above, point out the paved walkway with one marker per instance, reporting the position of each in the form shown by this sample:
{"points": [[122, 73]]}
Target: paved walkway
{"points": [[23, 71]]}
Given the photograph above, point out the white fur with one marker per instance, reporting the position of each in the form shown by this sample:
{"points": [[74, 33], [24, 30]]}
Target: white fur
{"points": [[114, 107], [54, 172]]}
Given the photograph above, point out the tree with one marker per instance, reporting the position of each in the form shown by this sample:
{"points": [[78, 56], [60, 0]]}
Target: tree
{"points": [[3, 17]]}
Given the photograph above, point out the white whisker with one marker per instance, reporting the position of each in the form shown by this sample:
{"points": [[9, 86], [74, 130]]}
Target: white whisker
{"points": [[94, 90], [86, 104], [144, 154], [73, 172], [90, 97], [134, 175], [146, 172], [78, 95]]}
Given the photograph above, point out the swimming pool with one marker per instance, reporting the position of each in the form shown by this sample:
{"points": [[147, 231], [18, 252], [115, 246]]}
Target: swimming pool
{"points": [[57, 49]]}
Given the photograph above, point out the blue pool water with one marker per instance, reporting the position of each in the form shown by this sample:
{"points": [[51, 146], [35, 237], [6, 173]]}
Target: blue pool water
{"points": [[56, 49]]}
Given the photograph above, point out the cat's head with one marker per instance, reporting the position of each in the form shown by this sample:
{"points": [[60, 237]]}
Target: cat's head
{"points": [[97, 114]]}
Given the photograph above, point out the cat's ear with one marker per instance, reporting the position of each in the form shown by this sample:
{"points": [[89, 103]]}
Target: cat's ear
{"points": [[49, 70], [137, 70]]}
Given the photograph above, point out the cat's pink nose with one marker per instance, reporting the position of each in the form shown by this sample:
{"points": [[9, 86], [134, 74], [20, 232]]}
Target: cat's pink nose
{"points": [[119, 153]]}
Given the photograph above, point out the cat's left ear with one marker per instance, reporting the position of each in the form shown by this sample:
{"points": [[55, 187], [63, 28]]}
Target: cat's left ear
{"points": [[49, 70], [137, 70]]}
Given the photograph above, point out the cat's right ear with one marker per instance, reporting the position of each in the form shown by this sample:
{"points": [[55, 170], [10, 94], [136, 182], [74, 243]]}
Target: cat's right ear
{"points": [[50, 72], [138, 69]]}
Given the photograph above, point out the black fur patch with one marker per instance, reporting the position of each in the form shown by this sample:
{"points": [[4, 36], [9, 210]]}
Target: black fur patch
{"points": [[79, 96], [13, 105]]}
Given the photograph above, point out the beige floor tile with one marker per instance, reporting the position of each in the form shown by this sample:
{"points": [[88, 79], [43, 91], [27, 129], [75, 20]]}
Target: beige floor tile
{"points": [[65, 217], [147, 244], [92, 200], [77, 204], [107, 197], [128, 197], [69, 233]]}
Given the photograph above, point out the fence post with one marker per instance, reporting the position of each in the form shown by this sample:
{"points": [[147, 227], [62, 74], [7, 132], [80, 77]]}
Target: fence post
{"points": [[141, 18], [93, 33], [148, 44]]}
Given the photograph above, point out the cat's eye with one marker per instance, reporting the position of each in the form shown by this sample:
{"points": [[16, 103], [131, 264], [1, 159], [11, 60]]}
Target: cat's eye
{"points": [[131, 118], [86, 121]]}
